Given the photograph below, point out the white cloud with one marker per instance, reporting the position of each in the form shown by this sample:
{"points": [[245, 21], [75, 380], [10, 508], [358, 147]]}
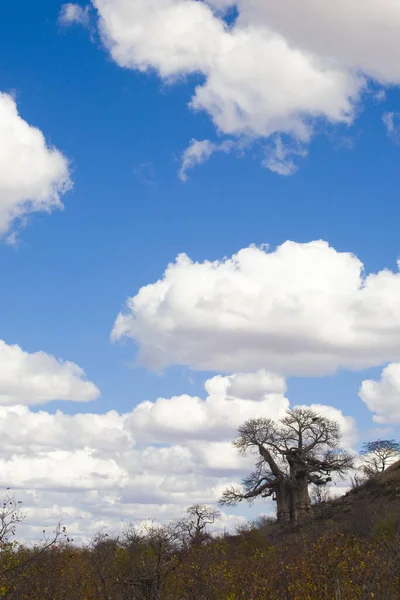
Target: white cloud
{"points": [[275, 67], [380, 96], [230, 401], [257, 81], [38, 378], [94, 470], [33, 176], [383, 397], [198, 152], [71, 14], [272, 67], [356, 37], [280, 158], [221, 4], [26, 432], [391, 121], [301, 309]]}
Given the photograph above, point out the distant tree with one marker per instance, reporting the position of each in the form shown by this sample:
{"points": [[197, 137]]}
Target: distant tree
{"points": [[21, 566], [102, 552], [379, 455], [262, 522], [194, 525], [300, 449], [154, 551]]}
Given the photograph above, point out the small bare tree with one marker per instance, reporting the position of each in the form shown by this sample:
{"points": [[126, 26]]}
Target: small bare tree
{"points": [[154, 553], [300, 449], [379, 455], [103, 549], [10, 516], [194, 525]]}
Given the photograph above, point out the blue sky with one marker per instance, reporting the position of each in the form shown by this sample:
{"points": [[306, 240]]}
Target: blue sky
{"points": [[129, 214]]}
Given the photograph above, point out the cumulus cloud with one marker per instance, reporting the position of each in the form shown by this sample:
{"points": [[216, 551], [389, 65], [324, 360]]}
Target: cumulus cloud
{"points": [[26, 432], [38, 378], [268, 67], [94, 470], [354, 37], [33, 175], [74, 14], [300, 309], [383, 396], [230, 401], [259, 78], [198, 152]]}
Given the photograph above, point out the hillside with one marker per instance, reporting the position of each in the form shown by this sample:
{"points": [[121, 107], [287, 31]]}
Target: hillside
{"points": [[350, 550], [359, 511], [363, 506]]}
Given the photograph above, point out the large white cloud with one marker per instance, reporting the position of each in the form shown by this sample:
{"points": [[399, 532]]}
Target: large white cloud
{"points": [[357, 36], [33, 175], [95, 470], [274, 68], [27, 432], [257, 82], [301, 309], [38, 377], [230, 401], [383, 396]]}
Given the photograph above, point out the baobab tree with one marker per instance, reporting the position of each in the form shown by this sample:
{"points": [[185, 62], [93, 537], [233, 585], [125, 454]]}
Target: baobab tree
{"points": [[379, 455], [300, 449]]}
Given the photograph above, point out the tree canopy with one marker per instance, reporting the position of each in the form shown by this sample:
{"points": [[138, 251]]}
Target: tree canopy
{"points": [[300, 449], [378, 455]]}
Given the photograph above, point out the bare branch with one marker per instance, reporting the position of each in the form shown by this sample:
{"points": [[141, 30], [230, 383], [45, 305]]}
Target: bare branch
{"points": [[195, 524], [300, 449], [10, 516]]}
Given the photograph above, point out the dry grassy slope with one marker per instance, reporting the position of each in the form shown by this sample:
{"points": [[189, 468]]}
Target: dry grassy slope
{"points": [[359, 509]]}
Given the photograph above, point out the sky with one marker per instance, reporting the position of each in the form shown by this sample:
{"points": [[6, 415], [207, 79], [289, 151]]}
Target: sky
{"points": [[199, 225]]}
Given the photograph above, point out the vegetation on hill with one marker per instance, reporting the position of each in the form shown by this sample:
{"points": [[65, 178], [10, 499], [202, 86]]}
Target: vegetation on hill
{"points": [[349, 549]]}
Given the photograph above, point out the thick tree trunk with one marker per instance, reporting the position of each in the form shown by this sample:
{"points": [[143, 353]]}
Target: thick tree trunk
{"points": [[300, 499], [304, 502], [283, 503]]}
